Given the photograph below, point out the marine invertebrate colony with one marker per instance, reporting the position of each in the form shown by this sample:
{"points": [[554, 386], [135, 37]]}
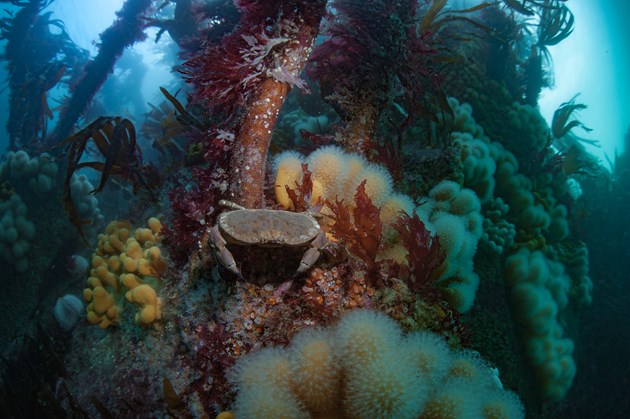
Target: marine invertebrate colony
{"points": [[16, 232], [366, 368], [125, 260], [539, 289]]}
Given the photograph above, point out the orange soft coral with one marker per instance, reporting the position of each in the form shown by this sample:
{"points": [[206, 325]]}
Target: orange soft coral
{"points": [[125, 260]]}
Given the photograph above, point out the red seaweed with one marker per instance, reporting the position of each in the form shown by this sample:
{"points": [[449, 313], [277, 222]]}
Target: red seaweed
{"points": [[424, 256]]}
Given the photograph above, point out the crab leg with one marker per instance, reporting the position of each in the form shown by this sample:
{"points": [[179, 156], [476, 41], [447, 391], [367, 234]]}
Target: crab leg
{"points": [[312, 254], [223, 254]]}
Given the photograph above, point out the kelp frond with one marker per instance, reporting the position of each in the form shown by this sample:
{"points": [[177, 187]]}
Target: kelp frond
{"points": [[556, 23], [560, 124], [185, 117], [115, 139], [519, 7], [436, 16]]}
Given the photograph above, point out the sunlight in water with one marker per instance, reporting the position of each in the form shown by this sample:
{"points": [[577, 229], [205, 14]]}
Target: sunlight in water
{"points": [[593, 61], [96, 16]]}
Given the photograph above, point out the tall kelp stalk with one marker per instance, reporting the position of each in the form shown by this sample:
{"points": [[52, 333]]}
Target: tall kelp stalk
{"points": [[125, 31], [247, 77], [15, 32], [379, 54], [37, 59]]}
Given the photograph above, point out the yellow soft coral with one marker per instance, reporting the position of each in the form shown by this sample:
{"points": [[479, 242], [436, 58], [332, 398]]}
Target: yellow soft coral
{"points": [[125, 261], [150, 304], [102, 309]]}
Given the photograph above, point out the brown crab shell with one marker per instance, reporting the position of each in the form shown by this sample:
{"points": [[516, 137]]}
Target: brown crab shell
{"points": [[268, 228]]}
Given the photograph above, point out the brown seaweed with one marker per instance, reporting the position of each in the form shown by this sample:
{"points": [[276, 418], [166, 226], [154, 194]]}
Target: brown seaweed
{"points": [[115, 139]]}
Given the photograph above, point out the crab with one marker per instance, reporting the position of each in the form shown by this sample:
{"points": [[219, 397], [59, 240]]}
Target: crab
{"points": [[265, 230]]}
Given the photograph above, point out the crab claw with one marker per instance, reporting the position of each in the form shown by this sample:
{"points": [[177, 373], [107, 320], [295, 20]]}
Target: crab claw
{"points": [[227, 260], [222, 253], [311, 255], [308, 260]]}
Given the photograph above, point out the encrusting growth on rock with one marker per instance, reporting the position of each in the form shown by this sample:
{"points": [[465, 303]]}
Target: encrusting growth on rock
{"points": [[125, 260]]}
